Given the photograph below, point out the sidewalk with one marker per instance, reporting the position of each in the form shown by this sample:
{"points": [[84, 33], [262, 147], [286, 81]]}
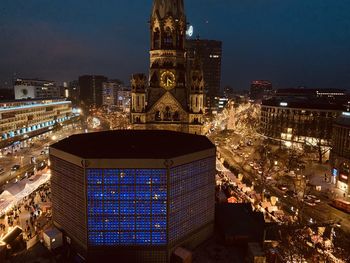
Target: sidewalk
{"points": [[317, 178]]}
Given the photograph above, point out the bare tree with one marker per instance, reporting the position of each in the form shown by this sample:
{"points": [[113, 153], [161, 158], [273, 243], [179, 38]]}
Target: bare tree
{"points": [[266, 162]]}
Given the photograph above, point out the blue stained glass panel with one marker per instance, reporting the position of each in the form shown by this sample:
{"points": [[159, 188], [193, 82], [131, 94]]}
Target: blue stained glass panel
{"points": [[125, 206]]}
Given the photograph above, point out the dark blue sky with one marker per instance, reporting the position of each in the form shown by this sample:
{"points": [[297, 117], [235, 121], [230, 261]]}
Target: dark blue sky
{"points": [[290, 42]]}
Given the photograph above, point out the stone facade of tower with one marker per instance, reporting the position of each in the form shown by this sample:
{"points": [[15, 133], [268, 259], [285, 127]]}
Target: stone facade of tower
{"points": [[172, 97]]}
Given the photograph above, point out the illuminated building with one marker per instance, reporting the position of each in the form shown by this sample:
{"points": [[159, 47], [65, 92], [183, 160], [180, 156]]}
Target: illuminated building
{"points": [[172, 97], [210, 52], [24, 119], [340, 154], [136, 194], [74, 91], [312, 93], [260, 89], [116, 96], [300, 120], [110, 93], [90, 88], [36, 89]]}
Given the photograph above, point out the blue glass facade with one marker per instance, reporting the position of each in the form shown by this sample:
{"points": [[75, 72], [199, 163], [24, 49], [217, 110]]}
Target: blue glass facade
{"points": [[191, 198], [126, 207]]}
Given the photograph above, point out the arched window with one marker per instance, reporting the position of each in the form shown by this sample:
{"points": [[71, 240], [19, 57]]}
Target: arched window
{"points": [[156, 39], [167, 114], [157, 116], [168, 39]]}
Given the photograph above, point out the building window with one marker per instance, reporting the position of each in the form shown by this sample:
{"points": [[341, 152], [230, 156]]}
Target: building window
{"points": [[127, 206]]}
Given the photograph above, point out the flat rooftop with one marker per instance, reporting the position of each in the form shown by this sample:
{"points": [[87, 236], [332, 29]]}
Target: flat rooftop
{"points": [[133, 144]]}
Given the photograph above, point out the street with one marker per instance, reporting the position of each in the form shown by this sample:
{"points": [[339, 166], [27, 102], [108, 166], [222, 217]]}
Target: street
{"points": [[35, 147]]}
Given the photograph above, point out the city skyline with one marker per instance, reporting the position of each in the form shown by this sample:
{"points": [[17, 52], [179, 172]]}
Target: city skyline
{"points": [[291, 43]]}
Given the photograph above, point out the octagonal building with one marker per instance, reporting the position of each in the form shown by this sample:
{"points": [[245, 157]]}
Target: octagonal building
{"points": [[133, 195]]}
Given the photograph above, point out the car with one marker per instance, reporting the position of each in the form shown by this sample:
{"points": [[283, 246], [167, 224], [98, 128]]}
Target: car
{"points": [[283, 187], [251, 164], [312, 198], [15, 167], [309, 202]]}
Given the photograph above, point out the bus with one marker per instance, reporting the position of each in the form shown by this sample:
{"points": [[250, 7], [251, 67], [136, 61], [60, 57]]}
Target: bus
{"points": [[341, 205]]}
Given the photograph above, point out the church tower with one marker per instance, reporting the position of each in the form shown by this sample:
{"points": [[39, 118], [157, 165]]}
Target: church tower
{"points": [[173, 94]]}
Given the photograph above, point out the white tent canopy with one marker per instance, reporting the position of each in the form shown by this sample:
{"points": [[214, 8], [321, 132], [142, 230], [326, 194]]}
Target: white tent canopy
{"points": [[16, 192]]}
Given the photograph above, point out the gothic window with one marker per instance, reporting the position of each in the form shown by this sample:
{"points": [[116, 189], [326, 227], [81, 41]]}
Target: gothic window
{"points": [[168, 39], [156, 39], [157, 117], [167, 114]]}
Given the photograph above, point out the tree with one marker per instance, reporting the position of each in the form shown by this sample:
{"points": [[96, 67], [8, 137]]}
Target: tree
{"points": [[267, 162]]}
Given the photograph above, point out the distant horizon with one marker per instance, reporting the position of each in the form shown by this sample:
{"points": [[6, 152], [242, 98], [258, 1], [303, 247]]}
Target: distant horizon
{"points": [[291, 43]]}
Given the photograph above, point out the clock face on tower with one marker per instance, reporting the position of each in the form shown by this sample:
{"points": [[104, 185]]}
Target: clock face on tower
{"points": [[167, 80]]}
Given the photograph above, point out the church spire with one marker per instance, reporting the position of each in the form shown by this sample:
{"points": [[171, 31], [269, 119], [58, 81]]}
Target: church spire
{"points": [[163, 8]]}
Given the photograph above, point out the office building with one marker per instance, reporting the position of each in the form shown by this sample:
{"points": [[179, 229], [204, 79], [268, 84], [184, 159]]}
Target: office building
{"points": [[124, 99], [74, 92], [110, 93], [134, 195], [312, 93], [35, 89], [24, 119], [299, 120], [261, 90], [90, 90], [210, 53], [340, 153], [172, 97], [116, 96]]}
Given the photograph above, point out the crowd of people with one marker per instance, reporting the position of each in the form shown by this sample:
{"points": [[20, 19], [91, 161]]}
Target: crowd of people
{"points": [[27, 212]]}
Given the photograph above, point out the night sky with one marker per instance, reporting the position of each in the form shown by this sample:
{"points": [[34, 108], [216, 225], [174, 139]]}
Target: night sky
{"points": [[290, 42]]}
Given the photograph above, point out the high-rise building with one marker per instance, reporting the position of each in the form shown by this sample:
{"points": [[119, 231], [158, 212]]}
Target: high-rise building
{"points": [[172, 97], [124, 99], [91, 90], [110, 92], [35, 89], [133, 195], [116, 96], [74, 91], [261, 89], [210, 52]]}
